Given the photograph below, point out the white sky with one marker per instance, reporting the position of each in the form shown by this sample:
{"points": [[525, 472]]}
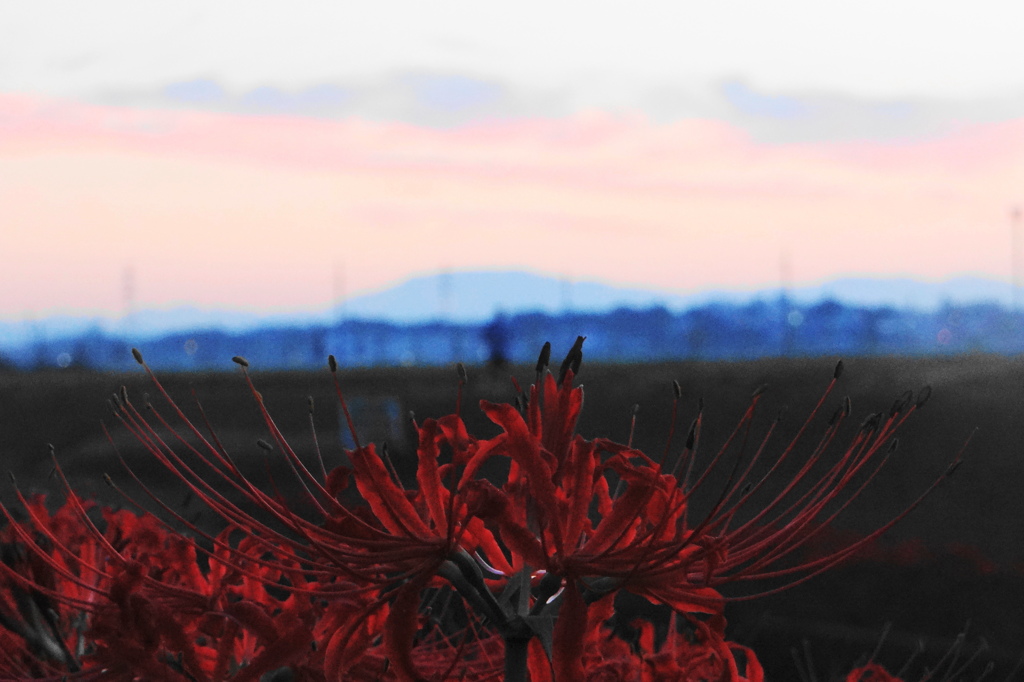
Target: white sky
{"points": [[724, 130], [870, 48]]}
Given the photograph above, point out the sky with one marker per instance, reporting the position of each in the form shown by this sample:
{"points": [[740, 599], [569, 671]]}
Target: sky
{"points": [[279, 156]]}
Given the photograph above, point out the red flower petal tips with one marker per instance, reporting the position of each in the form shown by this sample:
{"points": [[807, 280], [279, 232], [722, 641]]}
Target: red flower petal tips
{"points": [[459, 578]]}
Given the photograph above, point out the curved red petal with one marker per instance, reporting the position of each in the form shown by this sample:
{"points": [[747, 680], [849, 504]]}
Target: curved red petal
{"points": [[386, 499], [568, 638], [401, 626], [428, 475]]}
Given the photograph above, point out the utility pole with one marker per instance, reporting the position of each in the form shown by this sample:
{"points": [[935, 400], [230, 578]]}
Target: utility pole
{"points": [[566, 294], [444, 294], [127, 297], [339, 294], [789, 317], [1015, 264]]}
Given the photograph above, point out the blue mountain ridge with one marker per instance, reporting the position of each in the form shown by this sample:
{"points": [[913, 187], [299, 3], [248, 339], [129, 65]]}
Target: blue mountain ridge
{"points": [[476, 296]]}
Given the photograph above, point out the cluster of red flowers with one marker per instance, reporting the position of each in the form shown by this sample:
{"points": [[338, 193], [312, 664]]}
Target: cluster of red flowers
{"points": [[460, 577]]}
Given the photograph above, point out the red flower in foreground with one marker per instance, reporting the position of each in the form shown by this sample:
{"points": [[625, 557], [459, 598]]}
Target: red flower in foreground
{"points": [[460, 577], [871, 672]]}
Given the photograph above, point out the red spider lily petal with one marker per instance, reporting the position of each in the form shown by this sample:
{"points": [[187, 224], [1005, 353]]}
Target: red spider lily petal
{"points": [[338, 480], [401, 627], [570, 631], [293, 645], [625, 510], [524, 545], [454, 430], [253, 617], [483, 499], [537, 662], [478, 537], [708, 657], [712, 634], [522, 448], [387, 500], [598, 614], [579, 469], [602, 493], [481, 453], [752, 670], [562, 405], [428, 476], [871, 672], [679, 593], [355, 630]]}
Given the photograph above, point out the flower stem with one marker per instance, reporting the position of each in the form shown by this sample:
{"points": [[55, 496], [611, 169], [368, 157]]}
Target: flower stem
{"points": [[517, 645]]}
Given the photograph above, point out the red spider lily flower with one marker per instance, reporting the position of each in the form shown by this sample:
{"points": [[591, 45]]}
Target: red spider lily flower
{"points": [[461, 577], [402, 542], [642, 539], [132, 600], [699, 654]]}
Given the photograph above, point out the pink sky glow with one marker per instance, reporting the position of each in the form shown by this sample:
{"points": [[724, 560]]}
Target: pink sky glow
{"points": [[257, 212]]}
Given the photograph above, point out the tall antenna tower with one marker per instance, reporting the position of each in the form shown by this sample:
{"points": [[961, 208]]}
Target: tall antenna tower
{"points": [[1015, 261], [127, 297], [444, 294], [339, 293], [785, 274], [789, 316], [566, 294]]}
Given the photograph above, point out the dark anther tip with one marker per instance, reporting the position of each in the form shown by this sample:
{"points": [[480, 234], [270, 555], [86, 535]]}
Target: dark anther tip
{"points": [[838, 371], [264, 444], [840, 412], [309, 401], [923, 396], [691, 435], [953, 467], [545, 357], [573, 360], [901, 403], [137, 355], [677, 390], [239, 360], [108, 480], [461, 369], [332, 363], [871, 422], [759, 391], [847, 406]]}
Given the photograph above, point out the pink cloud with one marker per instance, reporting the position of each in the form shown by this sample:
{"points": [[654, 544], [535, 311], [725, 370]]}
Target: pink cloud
{"points": [[219, 209]]}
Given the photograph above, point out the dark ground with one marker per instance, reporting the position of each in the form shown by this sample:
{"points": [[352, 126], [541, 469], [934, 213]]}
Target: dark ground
{"points": [[958, 558]]}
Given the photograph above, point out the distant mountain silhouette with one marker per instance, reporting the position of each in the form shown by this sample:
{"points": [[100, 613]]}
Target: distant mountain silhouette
{"points": [[476, 296]]}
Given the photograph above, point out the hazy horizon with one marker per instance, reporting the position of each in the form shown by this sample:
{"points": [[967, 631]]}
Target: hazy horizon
{"points": [[154, 157]]}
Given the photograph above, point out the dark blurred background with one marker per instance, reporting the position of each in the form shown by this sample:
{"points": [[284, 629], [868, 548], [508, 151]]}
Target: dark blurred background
{"points": [[957, 559]]}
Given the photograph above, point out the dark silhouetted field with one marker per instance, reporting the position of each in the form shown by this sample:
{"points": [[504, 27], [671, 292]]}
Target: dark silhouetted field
{"points": [[975, 517]]}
